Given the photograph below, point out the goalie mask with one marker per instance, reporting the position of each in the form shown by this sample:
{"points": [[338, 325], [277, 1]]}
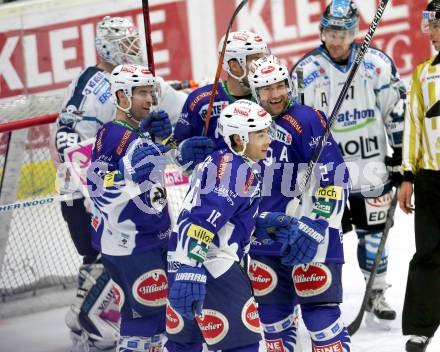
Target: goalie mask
{"points": [[241, 118], [126, 78], [431, 15], [118, 42], [238, 47]]}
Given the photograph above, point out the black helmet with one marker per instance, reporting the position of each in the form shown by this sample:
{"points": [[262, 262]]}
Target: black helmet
{"points": [[434, 5], [431, 13], [340, 15]]}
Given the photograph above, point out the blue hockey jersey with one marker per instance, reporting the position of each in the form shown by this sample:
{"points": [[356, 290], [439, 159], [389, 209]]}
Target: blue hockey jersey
{"points": [[192, 119], [127, 217], [221, 204], [298, 130]]}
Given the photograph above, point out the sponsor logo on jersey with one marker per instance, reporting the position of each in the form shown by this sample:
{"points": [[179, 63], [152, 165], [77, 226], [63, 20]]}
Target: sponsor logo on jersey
{"points": [[213, 325], [323, 208], [311, 279], [250, 317], [333, 347], [217, 108], [118, 293], [200, 234], [95, 84], [109, 179], [364, 147], [355, 119], [329, 192], [198, 98], [275, 345], [311, 77], [294, 123], [263, 278], [224, 192], [197, 252], [123, 142], [151, 288], [376, 209], [314, 141], [283, 136], [174, 322], [98, 143]]}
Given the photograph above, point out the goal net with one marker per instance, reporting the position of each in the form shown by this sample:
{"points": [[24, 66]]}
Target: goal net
{"points": [[37, 256]]}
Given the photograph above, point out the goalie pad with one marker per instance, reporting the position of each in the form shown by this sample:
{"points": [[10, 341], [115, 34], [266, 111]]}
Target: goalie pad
{"points": [[94, 316]]}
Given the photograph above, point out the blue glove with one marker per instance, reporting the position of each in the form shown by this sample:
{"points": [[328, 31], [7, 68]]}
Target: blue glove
{"points": [[194, 150], [302, 245], [268, 223], [188, 291], [143, 161], [158, 124]]}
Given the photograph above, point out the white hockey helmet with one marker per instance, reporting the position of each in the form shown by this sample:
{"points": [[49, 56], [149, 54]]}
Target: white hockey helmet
{"points": [[241, 117], [239, 46], [126, 77], [266, 71], [118, 42]]}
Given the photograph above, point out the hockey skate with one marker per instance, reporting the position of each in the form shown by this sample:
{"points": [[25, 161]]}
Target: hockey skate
{"points": [[379, 313], [417, 343]]}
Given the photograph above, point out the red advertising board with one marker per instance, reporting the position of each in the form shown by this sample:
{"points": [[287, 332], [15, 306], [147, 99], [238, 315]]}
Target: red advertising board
{"points": [[44, 58]]}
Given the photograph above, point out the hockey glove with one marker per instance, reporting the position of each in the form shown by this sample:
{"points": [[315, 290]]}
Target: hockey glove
{"points": [[301, 248], [268, 223], [158, 124], [194, 150], [139, 165], [188, 291], [393, 166]]}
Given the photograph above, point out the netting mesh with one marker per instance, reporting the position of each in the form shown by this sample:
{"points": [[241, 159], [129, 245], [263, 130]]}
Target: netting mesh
{"points": [[26, 106], [39, 251]]}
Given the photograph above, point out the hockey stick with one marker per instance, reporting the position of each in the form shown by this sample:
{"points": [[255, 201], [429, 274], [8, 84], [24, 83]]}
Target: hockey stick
{"points": [[356, 323], [148, 42], [323, 139], [300, 82], [219, 66]]}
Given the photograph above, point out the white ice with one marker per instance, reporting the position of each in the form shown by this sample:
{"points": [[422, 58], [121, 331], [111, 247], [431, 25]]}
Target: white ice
{"points": [[46, 332]]}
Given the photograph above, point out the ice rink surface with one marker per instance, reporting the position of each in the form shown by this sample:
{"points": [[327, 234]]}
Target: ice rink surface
{"points": [[46, 332]]}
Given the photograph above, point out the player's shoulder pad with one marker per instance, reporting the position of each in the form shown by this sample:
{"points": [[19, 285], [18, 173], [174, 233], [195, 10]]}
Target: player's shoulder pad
{"points": [[378, 57], [302, 118], [199, 97], [112, 140], [308, 60]]}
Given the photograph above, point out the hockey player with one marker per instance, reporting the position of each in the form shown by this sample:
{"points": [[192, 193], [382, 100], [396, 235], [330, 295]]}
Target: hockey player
{"points": [[212, 237], [130, 213], [421, 167], [373, 109], [298, 129], [87, 107], [242, 48]]}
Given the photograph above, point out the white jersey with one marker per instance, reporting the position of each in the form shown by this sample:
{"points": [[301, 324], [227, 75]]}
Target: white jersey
{"points": [[374, 105], [88, 106]]}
